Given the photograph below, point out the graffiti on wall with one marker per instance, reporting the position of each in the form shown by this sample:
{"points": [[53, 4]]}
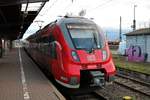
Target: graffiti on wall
{"points": [[134, 53]]}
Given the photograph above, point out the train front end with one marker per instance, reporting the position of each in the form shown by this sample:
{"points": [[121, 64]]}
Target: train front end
{"points": [[86, 57]]}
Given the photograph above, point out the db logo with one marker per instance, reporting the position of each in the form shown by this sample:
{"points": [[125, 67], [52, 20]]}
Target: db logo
{"points": [[91, 58]]}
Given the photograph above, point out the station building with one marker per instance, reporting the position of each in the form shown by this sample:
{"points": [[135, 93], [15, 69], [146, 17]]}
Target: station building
{"points": [[140, 38]]}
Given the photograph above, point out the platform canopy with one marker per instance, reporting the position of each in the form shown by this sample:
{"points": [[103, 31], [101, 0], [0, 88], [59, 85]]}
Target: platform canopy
{"points": [[17, 15]]}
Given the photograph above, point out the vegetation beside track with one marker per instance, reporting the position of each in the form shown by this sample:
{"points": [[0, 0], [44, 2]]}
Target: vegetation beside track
{"points": [[121, 62]]}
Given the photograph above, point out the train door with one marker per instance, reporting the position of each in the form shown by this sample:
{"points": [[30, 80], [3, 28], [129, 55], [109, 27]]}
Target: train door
{"points": [[55, 57], [44, 50]]}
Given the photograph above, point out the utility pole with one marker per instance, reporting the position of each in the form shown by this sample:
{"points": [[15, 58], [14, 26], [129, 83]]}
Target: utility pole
{"points": [[134, 21], [120, 30]]}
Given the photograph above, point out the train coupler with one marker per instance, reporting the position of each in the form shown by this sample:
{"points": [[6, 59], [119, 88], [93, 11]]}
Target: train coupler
{"points": [[98, 78]]}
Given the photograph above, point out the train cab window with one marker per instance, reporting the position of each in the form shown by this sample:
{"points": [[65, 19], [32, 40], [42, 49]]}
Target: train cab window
{"points": [[84, 36]]}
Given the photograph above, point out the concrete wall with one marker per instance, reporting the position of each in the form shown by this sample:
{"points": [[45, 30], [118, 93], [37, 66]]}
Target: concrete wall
{"points": [[148, 47], [140, 40]]}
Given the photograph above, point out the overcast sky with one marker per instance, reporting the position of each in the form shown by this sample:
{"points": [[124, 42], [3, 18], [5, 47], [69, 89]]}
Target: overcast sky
{"points": [[106, 13]]}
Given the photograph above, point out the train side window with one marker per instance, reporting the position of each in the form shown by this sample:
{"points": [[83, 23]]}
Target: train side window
{"points": [[45, 45], [52, 49], [51, 38]]}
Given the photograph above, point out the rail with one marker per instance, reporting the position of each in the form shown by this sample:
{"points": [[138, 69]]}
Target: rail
{"points": [[133, 84]]}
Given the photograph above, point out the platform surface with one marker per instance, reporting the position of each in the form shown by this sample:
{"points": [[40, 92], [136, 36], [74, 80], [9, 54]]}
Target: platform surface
{"points": [[21, 79]]}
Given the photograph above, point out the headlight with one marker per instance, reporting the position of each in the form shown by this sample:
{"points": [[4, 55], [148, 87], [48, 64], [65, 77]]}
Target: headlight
{"points": [[104, 54], [75, 56]]}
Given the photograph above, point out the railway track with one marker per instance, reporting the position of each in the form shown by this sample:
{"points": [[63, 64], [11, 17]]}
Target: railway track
{"points": [[137, 75], [96, 95], [133, 84], [137, 88]]}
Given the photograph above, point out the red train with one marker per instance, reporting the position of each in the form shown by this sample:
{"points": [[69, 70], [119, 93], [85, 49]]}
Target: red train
{"points": [[0, 48], [74, 51]]}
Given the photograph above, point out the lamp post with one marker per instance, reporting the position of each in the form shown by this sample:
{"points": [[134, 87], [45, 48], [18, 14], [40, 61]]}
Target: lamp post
{"points": [[134, 21], [120, 31]]}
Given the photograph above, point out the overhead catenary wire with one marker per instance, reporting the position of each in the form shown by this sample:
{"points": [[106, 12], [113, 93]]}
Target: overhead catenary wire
{"points": [[89, 10], [100, 5], [49, 8], [69, 5], [73, 1]]}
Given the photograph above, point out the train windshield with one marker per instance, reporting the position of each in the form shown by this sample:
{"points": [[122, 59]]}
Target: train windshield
{"points": [[85, 36]]}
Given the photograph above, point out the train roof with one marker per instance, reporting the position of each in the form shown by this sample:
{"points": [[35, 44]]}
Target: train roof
{"points": [[64, 20], [67, 19]]}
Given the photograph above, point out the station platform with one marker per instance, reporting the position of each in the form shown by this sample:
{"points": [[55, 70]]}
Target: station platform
{"points": [[21, 79]]}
